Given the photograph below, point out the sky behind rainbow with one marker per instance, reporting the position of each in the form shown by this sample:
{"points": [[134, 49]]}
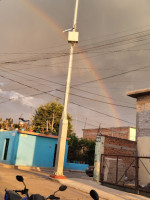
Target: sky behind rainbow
{"points": [[114, 39], [94, 72]]}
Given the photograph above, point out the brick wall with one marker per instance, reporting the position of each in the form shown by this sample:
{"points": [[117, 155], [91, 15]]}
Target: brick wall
{"points": [[121, 147], [143, 116], [119, 132], [90, 133]]}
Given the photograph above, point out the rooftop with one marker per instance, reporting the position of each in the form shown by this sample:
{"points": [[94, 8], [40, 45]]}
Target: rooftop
{"points": [[120, 127], [138, 93], [38, 134]]}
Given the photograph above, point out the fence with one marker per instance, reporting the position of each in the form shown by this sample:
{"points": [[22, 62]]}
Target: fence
{"points": [[126, 171]]}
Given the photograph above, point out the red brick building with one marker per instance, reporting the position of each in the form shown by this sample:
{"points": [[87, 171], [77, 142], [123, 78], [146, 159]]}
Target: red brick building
{"points": [[108, 149], [128, 133], [121, 147]]}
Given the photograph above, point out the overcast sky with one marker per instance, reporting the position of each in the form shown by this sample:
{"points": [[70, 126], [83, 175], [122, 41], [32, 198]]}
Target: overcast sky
{"points": [[113, 45]]}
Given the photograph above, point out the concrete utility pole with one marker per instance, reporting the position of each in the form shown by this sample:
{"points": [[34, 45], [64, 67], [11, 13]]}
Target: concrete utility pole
{"points": [[63, 126]]}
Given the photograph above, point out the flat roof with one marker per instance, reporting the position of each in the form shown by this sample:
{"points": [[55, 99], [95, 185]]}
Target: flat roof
{"points": [[38, 134], [138, 93]]}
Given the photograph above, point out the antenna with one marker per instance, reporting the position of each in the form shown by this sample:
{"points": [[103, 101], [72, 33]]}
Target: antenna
{"points": [[70, 29], [99, 130]]}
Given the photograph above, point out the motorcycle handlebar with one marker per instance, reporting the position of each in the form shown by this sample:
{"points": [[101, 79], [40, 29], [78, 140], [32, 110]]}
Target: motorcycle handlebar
{"points": [[25, 191], [52, 197], [21, 191]]}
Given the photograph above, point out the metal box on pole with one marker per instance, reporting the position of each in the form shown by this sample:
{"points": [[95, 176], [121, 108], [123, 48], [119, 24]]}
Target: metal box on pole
{"points": [[73, 37]]}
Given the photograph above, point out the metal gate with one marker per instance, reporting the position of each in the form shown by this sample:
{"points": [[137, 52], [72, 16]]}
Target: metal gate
{"points": [[126, 171]]}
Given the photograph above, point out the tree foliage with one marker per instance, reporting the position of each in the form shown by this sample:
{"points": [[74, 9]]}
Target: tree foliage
{"points": [[50, 113], [81, 149]]}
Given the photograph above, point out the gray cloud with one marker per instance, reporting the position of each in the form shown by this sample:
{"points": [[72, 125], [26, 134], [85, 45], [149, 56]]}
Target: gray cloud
{"points": [[23, 29], [22, 99]]}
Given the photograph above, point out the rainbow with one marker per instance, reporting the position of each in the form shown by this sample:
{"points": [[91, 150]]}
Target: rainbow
{"points": [[96, 75]]}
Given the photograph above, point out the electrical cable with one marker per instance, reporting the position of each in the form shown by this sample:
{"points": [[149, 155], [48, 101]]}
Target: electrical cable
{"points": [[112, 76], [56, 83], [105, 43], [84, 122], [70, 102], [97, 100]]}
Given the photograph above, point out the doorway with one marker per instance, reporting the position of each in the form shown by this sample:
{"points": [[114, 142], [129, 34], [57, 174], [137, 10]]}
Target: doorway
{"points": [[6, 149], [55, 155]]}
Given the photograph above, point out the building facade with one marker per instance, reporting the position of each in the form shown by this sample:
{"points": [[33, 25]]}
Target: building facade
{"points": [[109, 147], [28, 149], [143, 131]]}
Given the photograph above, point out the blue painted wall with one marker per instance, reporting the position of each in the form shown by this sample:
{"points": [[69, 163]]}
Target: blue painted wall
{"points": [[12, 148], [76, 166], [36, 151]]}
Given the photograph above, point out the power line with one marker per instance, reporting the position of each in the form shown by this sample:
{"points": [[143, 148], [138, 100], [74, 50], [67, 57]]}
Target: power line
{"points": [[107, 115], [57, 83], [70, 102], [17, 62], [24, 84], [54, 65], [33, 76], [98, 100], [97, 94], [102, 44], [52, 82], [84, 122], [112, 76], [125, 38]]}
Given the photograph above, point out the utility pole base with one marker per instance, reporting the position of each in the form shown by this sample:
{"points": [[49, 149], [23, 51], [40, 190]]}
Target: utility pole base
{"points": [[57, 176]]}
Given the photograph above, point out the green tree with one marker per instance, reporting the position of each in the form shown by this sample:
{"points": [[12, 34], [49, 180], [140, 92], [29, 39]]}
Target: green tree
{"points": [[50, 114], [74, 147], [81, 149]]}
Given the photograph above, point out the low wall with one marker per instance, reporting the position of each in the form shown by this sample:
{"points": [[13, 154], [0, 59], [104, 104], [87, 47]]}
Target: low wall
{"points": [[75, 166]]}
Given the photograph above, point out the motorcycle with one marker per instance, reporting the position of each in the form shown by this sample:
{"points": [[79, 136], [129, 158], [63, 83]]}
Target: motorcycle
{"points": [[13, 194]]}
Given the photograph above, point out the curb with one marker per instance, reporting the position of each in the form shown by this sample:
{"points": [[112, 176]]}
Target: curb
{"points": [[54, 180], [19, 167], [104, 192], [71, 170], [7, 166], [40, 169]]}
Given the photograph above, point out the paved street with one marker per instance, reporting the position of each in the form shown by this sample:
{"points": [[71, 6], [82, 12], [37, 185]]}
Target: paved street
{"points": [[78, 184], [37, 182]]}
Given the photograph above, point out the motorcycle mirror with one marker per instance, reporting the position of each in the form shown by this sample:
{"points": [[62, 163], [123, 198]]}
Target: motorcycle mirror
{"points": [[62, 187], [19, 178], [94, 195]]}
